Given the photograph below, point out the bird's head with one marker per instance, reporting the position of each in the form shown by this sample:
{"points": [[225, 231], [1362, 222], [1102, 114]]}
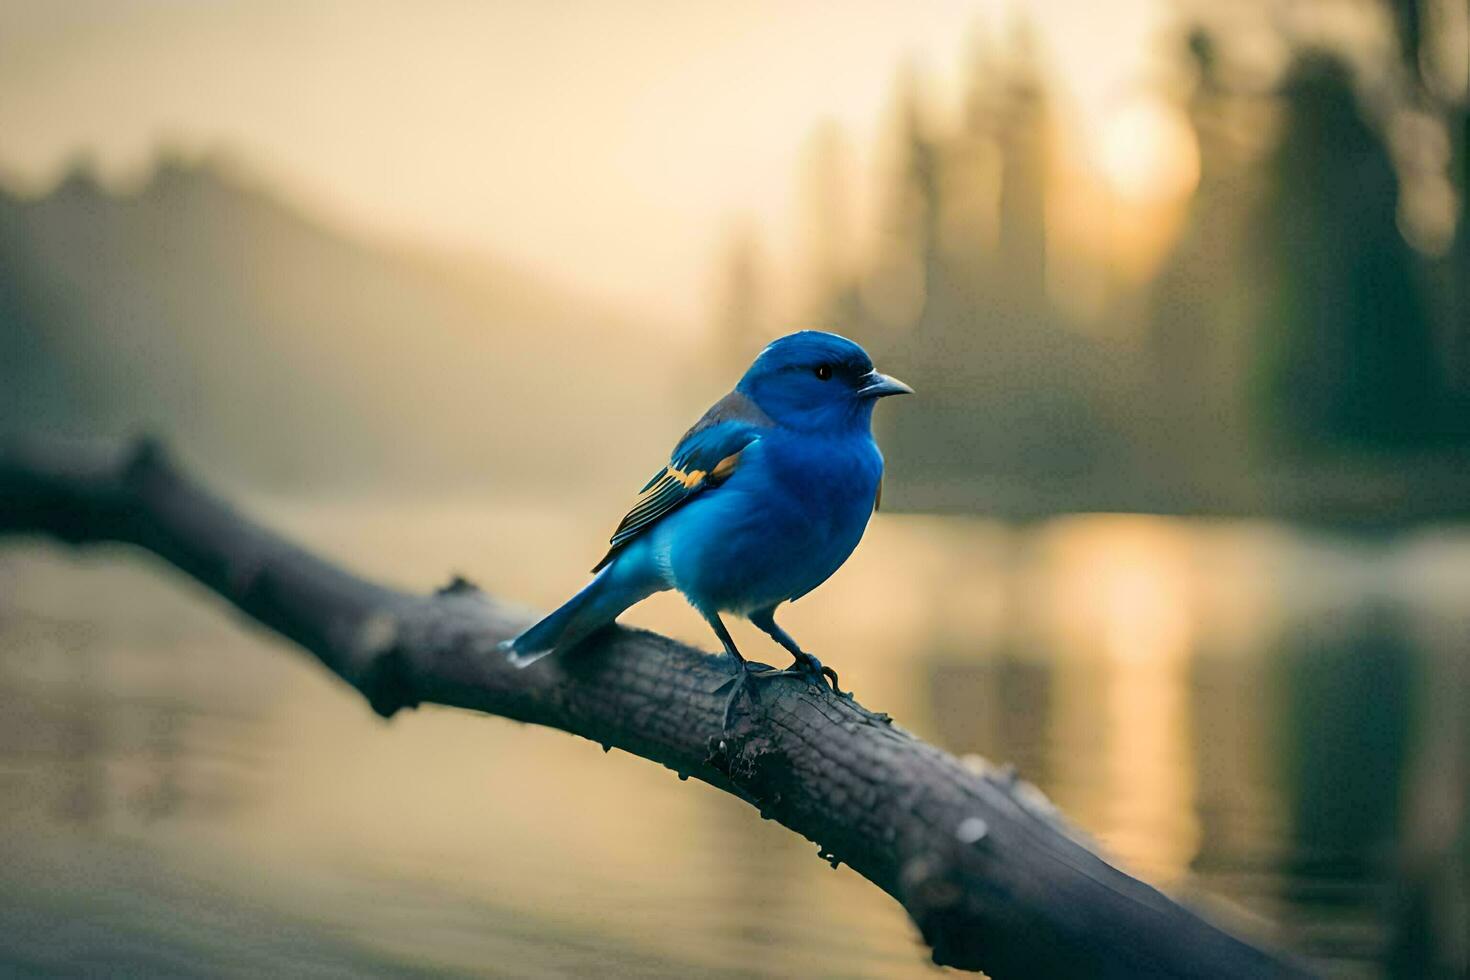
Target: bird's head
{"points": [[817, 381]]}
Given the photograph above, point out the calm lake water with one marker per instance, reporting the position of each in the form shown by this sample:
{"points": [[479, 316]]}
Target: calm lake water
{"points": [[1273, 722]]}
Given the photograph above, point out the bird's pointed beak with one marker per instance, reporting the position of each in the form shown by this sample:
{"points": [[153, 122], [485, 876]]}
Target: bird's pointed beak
{"points": [[881, 386]]}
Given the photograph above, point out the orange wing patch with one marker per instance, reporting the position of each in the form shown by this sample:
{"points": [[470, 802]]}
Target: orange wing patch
{"points": [[724, 467], [671, 487], [690, 479]]}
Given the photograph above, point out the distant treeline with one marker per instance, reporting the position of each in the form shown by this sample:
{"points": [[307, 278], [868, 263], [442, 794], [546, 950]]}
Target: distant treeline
{"points": [[1304, 349]]}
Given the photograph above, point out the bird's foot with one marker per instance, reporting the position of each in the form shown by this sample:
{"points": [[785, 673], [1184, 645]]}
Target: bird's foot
{"points": [[818, 673], [743, 680], [807, 668]]}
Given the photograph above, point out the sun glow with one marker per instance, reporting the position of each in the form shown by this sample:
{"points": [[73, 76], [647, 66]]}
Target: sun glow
{"points": [[1147, 152]]}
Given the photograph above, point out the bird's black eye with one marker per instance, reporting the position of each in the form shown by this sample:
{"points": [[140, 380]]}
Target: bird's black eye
{"points": [[824, 372]]}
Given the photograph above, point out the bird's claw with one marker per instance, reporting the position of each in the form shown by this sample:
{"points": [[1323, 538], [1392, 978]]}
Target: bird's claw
{"points": [[820, 675], [831, 675], [751, 668], [744, 677], [742, 681], [809, 669]]}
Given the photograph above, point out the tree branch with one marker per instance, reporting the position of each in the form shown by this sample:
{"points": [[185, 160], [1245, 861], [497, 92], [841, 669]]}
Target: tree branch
{"points": [[991, 874]]}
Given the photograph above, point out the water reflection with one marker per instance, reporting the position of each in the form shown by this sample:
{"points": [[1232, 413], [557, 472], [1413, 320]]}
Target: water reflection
{"points": [[1273, 717]]}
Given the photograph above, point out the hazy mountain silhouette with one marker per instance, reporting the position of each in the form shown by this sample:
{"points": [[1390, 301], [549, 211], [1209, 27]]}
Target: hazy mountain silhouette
{"points": [[273, 348]]}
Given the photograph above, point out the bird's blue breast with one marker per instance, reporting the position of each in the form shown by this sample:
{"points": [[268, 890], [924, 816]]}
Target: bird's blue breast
{"points": [[788, 518]]}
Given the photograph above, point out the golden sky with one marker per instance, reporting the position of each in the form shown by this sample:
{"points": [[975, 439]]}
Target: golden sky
{"points": [[610, 145]]}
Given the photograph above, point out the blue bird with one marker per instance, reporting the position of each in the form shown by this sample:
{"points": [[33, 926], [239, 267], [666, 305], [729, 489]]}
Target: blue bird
{"points": [[760, 502]]}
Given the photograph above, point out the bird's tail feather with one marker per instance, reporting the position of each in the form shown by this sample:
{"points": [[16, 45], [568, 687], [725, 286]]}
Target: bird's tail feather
{"points": [[604, 598]]}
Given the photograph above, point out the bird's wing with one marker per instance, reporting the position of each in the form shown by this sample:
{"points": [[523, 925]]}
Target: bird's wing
{"points": [[705, 457]]}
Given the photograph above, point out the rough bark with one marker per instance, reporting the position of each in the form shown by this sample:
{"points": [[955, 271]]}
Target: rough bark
{"points": [[994, 878]]}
